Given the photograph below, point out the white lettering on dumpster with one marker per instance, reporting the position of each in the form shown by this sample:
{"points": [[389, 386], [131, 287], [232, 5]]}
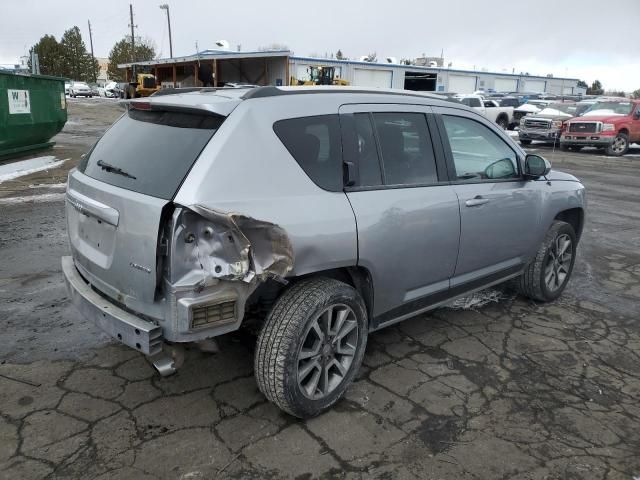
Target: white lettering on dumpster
{"points": [[19, 101]]}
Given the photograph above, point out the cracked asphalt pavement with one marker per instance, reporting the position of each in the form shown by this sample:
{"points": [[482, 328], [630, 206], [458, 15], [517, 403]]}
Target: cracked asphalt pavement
{"points": [[496, 388]]}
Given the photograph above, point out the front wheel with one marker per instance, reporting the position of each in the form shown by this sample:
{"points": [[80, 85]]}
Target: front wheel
{"points": [[619, 146], [525, 142], [547, 275], [311, 346]]}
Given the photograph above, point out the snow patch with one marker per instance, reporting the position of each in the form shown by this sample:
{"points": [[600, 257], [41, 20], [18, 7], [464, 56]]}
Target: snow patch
{"points": [[26, 167], [477, 300], [47, 197]]}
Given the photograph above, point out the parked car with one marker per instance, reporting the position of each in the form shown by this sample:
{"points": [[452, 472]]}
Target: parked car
{"points": [[176, 236], [546, 125], [120, 89], [80, 89], [503, 116], [611, 125], [109, 90]]}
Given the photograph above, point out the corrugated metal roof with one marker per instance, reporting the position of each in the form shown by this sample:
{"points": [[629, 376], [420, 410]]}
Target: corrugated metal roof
{"points": [[210, 55]]}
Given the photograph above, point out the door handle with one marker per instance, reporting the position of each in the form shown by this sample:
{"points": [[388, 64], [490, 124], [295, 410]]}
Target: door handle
{"points": [[476, 201]]}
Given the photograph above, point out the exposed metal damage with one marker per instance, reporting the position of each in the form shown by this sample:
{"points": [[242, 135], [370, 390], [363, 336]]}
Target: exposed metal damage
{"points": [[227, 246], [214, 262]]}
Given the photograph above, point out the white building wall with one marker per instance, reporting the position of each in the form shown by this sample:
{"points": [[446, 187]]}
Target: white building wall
{"points": [[445, 77]]}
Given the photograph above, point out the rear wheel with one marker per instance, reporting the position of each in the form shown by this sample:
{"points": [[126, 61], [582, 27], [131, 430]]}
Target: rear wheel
{"points": [[502, 122], [311, 346], [575, 148], [525, 142], [547, 275], [619, 146]]}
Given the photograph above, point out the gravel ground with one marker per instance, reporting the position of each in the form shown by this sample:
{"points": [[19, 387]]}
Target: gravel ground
{"points": [[494, 387]]}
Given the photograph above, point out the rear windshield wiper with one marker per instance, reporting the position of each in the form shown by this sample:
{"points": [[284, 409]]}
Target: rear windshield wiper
{"points": [[113, 169]]}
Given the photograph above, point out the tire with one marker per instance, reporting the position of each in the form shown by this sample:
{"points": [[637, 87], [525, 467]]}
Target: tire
{"points": [[620, 145], [542, 280], [295, 327], [502, 122], [575, 148], [525, 142]]}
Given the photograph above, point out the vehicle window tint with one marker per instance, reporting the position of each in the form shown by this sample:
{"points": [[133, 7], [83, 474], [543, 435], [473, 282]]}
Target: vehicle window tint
{"points": [[314, 142], [366, 151], [478, 153], [407, 153], [150, 152]]}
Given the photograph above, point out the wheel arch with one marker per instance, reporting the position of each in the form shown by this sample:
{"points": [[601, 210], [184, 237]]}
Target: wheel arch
{"points": [[358, 277], [624, 130], [574, 217]]}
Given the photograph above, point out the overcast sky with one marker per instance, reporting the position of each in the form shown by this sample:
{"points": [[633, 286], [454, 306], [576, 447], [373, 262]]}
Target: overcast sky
{"points": [[585, 39]]}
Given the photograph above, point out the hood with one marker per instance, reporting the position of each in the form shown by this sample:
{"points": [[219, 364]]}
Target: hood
{"points": [[527, 107], [604, 118], [561, 176], [549, 116]]}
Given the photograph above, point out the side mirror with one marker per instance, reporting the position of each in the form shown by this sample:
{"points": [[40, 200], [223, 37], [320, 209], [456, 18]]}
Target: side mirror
{"points": [[536, 166]]}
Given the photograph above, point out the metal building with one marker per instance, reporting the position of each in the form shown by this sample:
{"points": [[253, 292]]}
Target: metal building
{"points": [[433, 79], [217, 67]]}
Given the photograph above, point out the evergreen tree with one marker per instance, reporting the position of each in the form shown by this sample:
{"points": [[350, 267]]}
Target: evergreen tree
{"points": [[121, 53], [78, 64], [595, 89], [49, 56]]}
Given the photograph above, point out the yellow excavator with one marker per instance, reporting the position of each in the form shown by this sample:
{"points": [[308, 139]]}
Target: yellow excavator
{"points": [[320, 75]]}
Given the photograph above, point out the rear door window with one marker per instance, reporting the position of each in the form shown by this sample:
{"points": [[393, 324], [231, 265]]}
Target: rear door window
{"points": [[314, 142], [150, 151], [407, 152], [366, 151]]}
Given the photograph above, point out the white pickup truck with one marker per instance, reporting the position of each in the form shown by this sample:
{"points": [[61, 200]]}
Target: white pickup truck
{"points": [[503, 116]]}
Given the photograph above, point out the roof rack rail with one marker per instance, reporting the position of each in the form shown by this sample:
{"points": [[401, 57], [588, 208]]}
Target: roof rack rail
{"points": [[176, 90], [271, 91]]}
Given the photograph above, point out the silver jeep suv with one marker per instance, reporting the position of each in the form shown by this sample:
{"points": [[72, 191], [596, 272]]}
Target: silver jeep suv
{"points": [[326, 213]]}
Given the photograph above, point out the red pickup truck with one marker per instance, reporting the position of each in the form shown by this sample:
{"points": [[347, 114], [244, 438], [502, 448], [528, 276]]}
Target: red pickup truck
{"points": [[612, 125]]}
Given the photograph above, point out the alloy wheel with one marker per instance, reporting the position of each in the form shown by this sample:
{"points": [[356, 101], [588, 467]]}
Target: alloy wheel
{"points": [[558, 262], [619, 145], [328, 351]]}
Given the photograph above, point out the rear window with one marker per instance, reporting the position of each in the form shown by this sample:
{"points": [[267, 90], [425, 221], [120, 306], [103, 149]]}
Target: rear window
{"points": [[150, 152], [315, 144]]}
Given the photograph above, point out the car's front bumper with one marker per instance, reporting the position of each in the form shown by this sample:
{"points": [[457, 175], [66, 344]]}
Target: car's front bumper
{"points": [[593, 139], [137, 333], [539, 134]]}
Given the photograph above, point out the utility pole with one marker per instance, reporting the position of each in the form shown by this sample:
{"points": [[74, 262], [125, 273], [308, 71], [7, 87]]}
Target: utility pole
{"points": [[93, 59], [133, 45], [164, 6]]}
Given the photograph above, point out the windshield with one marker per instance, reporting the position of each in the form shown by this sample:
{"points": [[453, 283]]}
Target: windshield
{"points": [[609, 108], [567, 109], [150, 152]]}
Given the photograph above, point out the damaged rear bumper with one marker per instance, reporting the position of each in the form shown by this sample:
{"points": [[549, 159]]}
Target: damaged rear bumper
{"points": [[129, 329]]}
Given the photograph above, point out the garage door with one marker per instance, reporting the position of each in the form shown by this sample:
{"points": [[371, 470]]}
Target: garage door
{"points": [[462, 84], [536, 86], [505, 85], [567, 91], [364, 77]]}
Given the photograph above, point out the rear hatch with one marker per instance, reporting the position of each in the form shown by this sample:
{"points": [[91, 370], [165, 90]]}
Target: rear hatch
{"points": [[117, 196]]}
